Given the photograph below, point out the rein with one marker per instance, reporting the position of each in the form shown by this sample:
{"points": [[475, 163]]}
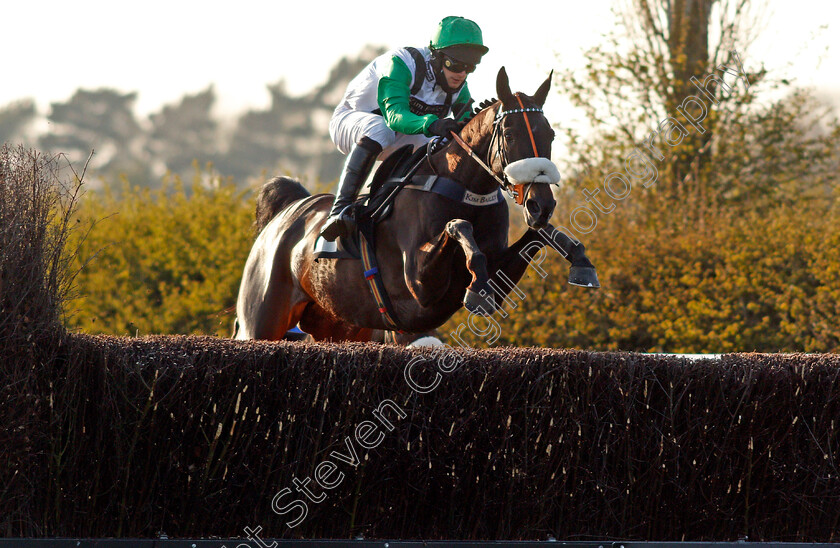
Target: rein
{"points": [[474, 156]]}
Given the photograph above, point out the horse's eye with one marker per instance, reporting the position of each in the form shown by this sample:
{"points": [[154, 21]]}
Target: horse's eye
{"points": [[509, 135]]}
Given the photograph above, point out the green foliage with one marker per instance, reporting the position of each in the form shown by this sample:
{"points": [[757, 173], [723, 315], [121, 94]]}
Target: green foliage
{"points": [[163, 261], [752, 281]]}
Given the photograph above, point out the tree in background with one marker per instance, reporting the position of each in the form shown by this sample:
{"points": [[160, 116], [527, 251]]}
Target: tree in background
{"points": [[328, 96], [184, 133], [100, 120], [291, 135], [643, 73], [269, 140], [14, 120]]}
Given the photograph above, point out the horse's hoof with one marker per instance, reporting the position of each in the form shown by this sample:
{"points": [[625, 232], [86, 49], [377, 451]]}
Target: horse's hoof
{"points": [[475, 303], [584, 276]]}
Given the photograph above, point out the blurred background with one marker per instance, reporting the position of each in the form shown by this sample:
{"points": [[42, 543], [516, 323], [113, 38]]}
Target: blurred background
{"points": [[190, 106], [250, 87]]}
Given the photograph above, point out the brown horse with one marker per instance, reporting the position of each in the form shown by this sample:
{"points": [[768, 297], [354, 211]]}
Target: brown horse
{"points": [[433, 252]]}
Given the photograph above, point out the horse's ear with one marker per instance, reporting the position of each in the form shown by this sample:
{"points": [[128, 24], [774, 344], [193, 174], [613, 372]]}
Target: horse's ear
{"points": [[503, 88], [542, 92]]}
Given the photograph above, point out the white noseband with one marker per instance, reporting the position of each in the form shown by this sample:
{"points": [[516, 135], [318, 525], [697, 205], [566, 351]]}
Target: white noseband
{"points": [[533, 170]]}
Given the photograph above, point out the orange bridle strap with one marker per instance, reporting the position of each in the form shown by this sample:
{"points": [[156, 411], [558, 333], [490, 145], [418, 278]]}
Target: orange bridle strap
{"points": [[528, 125]]}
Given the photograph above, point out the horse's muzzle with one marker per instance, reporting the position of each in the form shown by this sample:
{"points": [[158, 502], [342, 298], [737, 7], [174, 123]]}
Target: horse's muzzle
{"points": [[539, 211]]}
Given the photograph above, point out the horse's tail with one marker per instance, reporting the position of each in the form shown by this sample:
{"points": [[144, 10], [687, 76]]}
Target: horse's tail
{"points": [[274, 196]]}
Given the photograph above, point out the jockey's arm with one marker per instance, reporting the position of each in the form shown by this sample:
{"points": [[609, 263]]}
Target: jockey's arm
{"points": [[393, 95]]}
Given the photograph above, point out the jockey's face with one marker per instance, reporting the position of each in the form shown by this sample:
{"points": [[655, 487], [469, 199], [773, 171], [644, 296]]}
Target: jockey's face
{"points": [[454, 79]]}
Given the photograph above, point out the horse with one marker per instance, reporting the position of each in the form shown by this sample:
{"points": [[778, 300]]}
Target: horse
{"points": [[433, 253]]}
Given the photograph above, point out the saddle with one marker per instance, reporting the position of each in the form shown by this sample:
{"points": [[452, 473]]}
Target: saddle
{"points": [[368, 210], [375, 206], [394, 174]]}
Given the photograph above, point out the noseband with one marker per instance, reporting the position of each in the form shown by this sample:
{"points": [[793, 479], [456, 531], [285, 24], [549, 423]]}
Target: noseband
{"points": [[518, 191]]}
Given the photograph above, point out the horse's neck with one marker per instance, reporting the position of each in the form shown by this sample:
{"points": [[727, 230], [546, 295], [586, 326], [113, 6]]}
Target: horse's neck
{"points": [[455, 163]]}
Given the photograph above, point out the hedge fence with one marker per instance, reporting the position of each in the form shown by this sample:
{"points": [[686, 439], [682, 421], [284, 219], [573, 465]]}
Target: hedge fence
{"points": [[201, 436]]}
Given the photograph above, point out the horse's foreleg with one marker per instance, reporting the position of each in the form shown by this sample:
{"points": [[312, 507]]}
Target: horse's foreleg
{"points": [[479, 296], [510, 265], [427, 271], [582, 271]]}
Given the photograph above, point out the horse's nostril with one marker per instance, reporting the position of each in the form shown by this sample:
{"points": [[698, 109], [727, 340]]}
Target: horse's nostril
{"points": [[532, 206]]}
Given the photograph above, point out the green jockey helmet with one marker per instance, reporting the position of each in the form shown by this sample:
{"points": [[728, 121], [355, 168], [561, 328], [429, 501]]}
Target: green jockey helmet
{"points": [[457, 34]]}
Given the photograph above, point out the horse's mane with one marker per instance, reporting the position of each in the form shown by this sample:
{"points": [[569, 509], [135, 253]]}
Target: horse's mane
{"points": [[481, 106], [405, 163]]}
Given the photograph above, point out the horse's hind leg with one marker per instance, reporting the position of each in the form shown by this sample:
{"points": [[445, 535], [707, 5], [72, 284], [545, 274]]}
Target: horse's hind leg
{"points": [[266, 316]]}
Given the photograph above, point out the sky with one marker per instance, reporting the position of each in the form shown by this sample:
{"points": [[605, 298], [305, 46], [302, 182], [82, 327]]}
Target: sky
{"points": [[165, 49]]}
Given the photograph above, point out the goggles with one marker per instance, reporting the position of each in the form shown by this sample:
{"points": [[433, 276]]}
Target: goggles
{"points": [[453, 65]]}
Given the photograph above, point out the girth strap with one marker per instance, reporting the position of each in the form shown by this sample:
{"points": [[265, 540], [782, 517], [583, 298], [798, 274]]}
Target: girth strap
{"points": [[374, 277], [432, 183]]}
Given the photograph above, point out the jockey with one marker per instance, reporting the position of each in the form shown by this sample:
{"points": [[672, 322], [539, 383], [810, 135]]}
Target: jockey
{"points": [[402, 97]]}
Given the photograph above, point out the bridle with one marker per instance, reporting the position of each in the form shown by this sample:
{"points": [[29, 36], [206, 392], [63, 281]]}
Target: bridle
{"points": [[519, 191]]}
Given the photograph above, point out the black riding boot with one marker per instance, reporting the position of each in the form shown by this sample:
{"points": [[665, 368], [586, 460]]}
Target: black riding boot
{"points": [[356, 170]]}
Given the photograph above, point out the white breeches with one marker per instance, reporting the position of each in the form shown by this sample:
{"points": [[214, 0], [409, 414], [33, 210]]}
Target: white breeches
{"points": [[347, 126]]}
